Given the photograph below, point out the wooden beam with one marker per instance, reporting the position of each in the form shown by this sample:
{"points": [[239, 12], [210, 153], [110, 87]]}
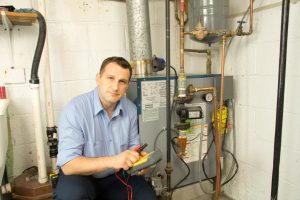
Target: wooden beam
{"points": [[24, 19]]}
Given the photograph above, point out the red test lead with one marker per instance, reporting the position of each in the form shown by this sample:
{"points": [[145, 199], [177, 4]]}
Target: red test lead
{"points": [[137, 148], [142, 148]]}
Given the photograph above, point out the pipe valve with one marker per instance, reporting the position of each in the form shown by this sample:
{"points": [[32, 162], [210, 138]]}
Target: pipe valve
{"points": [[239, 31]]}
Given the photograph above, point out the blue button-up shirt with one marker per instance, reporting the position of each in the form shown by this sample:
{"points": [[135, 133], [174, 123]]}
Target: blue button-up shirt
{"points": [[85, 129]]}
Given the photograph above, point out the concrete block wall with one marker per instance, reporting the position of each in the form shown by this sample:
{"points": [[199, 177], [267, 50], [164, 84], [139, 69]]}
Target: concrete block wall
{"points": [[82, 33], [254, 62]]}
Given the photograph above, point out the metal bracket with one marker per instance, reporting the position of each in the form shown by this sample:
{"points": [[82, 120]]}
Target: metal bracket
{"points": [[6, 22], [8, 27]]}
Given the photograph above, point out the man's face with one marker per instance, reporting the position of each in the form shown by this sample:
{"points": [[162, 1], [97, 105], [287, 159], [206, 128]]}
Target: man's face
{"points": [[113, 82]]}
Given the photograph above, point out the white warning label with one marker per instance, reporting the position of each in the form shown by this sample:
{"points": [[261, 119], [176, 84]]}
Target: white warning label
{"points": [[153, 98]]}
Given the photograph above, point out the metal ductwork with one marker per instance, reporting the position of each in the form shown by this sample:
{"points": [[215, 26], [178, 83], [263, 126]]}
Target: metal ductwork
{"points": [[139, 37]]}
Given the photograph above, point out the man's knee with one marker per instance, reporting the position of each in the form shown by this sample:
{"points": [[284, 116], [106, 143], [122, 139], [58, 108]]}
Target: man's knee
{"points": [[142, 189], [74, 187]]}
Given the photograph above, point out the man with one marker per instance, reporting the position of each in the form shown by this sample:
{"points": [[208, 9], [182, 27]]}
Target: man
{"points": [[97, 134]]}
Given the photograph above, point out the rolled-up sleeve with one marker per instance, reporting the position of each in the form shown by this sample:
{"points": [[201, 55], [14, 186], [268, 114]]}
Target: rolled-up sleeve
{"points": [[71, 138]]}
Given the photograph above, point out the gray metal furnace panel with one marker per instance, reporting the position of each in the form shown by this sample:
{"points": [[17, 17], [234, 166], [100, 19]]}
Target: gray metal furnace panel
{"points": [[152, 121]]}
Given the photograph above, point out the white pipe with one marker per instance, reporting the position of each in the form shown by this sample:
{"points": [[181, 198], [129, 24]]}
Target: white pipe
{"points": [[5, 189], [47, 80], [36, 107], [46, 63]]}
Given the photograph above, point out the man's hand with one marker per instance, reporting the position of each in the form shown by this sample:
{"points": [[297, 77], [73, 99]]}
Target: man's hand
{"points": [[126, 159], [143, 171]]}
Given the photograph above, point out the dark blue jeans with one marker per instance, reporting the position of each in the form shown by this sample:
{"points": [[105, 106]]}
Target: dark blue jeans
{"points": [[77, 187]]}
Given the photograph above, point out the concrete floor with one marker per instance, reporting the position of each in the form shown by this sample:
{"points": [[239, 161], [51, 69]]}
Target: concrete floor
{"points": [[194, 192]]}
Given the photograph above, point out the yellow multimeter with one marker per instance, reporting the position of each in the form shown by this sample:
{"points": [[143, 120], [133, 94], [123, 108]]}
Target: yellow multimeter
{"points": [[145, 161]]}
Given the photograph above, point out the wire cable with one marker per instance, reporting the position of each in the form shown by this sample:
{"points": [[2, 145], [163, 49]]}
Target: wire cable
{"points": [[175, 91], [155, 145], [202, 160], [128, 187], [204, 157], [225, 150], [159, 133], [188, 168], [233, 157]]}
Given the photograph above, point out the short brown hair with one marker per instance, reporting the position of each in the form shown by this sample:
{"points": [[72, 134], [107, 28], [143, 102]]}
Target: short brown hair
{"points": [[122, 62]]}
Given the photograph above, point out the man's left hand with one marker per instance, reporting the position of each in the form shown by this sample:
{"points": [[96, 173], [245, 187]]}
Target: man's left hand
{"points": [[143, 171]]}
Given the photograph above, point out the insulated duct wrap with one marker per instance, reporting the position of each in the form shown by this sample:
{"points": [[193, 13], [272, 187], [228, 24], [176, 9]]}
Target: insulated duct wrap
{"points": [[139, 36]]}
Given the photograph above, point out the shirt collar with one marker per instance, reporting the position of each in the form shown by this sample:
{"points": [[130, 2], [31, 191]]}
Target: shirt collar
{"points": [[98, 106]]}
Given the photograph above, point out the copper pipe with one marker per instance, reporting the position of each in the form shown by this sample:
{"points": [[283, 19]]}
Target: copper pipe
{"points": [[215, 33], [208, 54], [197, 50], [217, 133], [188, 33], [182, 76], [176, 11], [240, 31], [208, 62], [218, 124], [251, 19], [181, 36], [218, 136]]}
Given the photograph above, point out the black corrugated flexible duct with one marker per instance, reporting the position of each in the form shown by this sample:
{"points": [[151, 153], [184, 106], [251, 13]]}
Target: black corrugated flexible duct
{"points": [[34, 79]]}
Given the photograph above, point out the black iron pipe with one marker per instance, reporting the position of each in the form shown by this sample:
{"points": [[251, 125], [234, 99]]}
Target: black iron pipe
{"points": [[168, 95], [280, 97], [39, 49]]}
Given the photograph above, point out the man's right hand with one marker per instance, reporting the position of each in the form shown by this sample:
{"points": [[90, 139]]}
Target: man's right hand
{"points": [[126, 159]]}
